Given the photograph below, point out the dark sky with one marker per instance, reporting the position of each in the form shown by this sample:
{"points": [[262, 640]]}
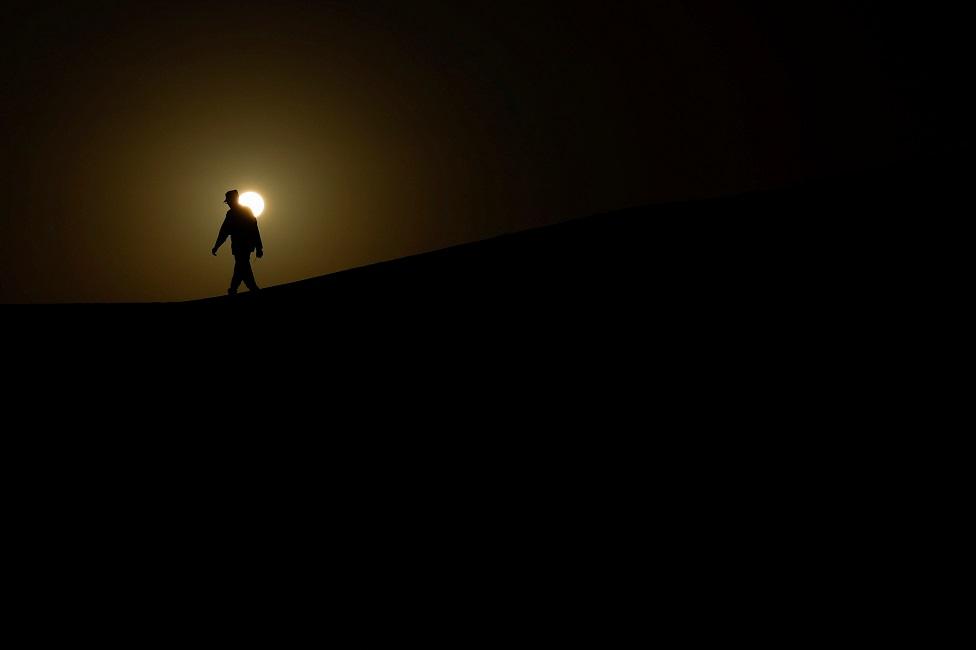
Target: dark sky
{"points": [[377, 129]]}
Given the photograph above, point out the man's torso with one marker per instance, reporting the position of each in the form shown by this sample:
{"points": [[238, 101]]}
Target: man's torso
{"points": [[242, 227]]}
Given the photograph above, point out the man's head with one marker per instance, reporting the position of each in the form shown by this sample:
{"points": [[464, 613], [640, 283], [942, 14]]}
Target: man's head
{"points": [[231, 198]]}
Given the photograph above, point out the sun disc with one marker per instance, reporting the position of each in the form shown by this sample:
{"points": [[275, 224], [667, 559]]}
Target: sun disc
{"points": [[254, 201]]}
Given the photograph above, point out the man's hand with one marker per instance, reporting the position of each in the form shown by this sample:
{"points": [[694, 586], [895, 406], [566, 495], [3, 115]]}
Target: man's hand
{"points": [[260, 252], [213, 251]]}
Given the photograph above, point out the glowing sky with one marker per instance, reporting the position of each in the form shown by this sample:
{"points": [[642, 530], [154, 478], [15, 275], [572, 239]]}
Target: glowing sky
{"points": [[381, 129]]}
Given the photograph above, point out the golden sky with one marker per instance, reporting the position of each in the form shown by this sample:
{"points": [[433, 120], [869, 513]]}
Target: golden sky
{"points": [[376, 130]]}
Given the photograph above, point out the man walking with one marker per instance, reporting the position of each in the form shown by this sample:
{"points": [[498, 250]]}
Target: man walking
{"points": [[241, 226]]}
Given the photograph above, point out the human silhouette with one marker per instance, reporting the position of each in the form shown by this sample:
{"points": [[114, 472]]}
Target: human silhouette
{"points": [[241, 226]]}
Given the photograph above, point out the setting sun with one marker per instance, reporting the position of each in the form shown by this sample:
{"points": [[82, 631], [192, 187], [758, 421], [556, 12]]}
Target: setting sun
{"points": [[254, 201]]}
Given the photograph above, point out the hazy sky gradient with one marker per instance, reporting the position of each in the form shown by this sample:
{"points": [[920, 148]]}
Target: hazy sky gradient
{"points": [[380, 129]]}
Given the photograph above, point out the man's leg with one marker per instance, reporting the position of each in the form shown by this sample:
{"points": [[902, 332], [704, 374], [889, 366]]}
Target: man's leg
{"points": [[235, 282], [247, 274]]}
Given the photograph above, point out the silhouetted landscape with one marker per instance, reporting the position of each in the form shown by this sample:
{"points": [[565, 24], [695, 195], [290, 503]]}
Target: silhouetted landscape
{"points": [[667, 186], [555, 298]]}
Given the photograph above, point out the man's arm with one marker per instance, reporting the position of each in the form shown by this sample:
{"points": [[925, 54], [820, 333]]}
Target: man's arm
{"points": [[222, 235]]}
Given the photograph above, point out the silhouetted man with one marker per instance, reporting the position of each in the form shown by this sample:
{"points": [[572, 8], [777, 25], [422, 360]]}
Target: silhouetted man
{"points": [[242, 228]]}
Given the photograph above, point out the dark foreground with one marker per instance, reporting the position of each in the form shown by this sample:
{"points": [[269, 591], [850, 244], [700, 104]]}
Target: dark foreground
{"points": [[704, 387]]}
